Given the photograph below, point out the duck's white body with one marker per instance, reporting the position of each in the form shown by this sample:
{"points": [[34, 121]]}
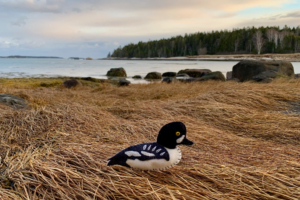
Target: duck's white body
{"points": [[157, 164]]}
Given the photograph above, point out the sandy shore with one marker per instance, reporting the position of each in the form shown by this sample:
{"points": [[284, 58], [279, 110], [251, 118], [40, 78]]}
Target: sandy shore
{"points": [[295, 57]]}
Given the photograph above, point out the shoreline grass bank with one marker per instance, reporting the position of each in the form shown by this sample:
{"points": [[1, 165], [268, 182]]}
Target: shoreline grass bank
{"points": [[292, 57], [246, 140]]}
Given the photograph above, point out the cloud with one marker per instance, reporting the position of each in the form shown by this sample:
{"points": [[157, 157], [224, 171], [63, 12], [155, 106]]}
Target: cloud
{"points": [[133, 5], [31, 5], [226, 15], [291, 15], [20, 21], [76, 10]]}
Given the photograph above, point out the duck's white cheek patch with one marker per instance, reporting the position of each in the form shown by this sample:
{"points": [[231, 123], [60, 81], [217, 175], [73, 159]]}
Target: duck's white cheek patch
{"points": [[179, 140], [147, 154], [133, 153]]}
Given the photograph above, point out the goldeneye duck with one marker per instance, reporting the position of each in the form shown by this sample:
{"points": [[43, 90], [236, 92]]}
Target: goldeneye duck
{"points": [[158, 155]]}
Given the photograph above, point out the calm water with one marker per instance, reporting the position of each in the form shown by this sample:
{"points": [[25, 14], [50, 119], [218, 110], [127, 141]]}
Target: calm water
{"points": [[10, 68]]}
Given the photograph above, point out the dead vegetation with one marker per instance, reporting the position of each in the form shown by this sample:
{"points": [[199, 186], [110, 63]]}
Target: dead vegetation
{"points": [[246, 144]]}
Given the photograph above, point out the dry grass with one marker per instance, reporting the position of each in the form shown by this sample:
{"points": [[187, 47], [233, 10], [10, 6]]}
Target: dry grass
{"points": [[246, 146]]}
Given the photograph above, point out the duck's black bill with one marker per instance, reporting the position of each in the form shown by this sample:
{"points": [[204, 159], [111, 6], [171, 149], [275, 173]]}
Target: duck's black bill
{"points": [[187, 142]]}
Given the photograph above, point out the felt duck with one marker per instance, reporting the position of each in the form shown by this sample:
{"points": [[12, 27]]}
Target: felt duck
{"points": [[159, 155]]}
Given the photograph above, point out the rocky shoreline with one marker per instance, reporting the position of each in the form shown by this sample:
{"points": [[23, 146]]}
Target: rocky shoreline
{"points": [[245, 70]]}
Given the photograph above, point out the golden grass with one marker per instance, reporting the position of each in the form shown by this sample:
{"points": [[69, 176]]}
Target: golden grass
{"points": [[26, 83], [245, 145]]}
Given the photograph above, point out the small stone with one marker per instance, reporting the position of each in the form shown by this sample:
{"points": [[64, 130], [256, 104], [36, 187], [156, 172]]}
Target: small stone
{"points": [[137, 77], [71, 83], [168, 80], [124, 82], [229, 76], [13, 101]]}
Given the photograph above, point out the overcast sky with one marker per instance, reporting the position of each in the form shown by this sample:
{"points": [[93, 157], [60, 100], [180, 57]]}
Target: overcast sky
{"points": [[93, 28]]}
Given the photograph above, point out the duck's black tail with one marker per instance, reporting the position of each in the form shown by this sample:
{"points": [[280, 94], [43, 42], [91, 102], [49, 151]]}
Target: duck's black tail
{"points": [[111, 162], [118, 160]]}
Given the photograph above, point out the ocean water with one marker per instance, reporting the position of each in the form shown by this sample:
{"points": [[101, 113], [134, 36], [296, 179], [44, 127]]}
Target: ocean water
{"points": [[27, 67]]}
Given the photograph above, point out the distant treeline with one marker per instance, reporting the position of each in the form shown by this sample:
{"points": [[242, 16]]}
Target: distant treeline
{"points": [[30, 57], [238, 41]]}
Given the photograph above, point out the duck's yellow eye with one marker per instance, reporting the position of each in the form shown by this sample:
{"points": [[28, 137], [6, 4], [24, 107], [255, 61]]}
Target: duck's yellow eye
{"points": [[177, 133]]}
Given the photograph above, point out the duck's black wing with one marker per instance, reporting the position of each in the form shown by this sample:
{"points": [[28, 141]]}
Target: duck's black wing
{"points": [[143, 152]]}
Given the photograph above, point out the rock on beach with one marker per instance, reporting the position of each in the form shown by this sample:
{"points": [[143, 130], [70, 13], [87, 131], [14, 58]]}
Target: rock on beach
{"points": [[169, 74], [195, 73], [71, 83], [137, 77], [218, 76], [117, 72], [153, 75], [13, 101], [258, 70], [123, 82]]}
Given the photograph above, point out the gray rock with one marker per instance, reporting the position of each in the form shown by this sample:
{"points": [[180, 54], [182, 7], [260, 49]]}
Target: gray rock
{"points": [[71, 83], [186, 79], [137, 77], [182, 75], [168, 80], [196, 73], [247, 69], [117, 72], [218, 76], [124, 82], [229, 76], [13, 101], [153, 75], [90, 79], [264, 75], [169, 74]]}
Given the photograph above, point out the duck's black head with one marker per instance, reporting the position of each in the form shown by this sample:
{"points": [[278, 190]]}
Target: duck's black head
{"points": [[173, 134]]}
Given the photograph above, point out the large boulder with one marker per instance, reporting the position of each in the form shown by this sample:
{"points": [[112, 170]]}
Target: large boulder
{"points": [[218, 76], [259, 70], [169, 74], [196, 73], [71, 83], [13, 101], [118, 72], [153, 75]]}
